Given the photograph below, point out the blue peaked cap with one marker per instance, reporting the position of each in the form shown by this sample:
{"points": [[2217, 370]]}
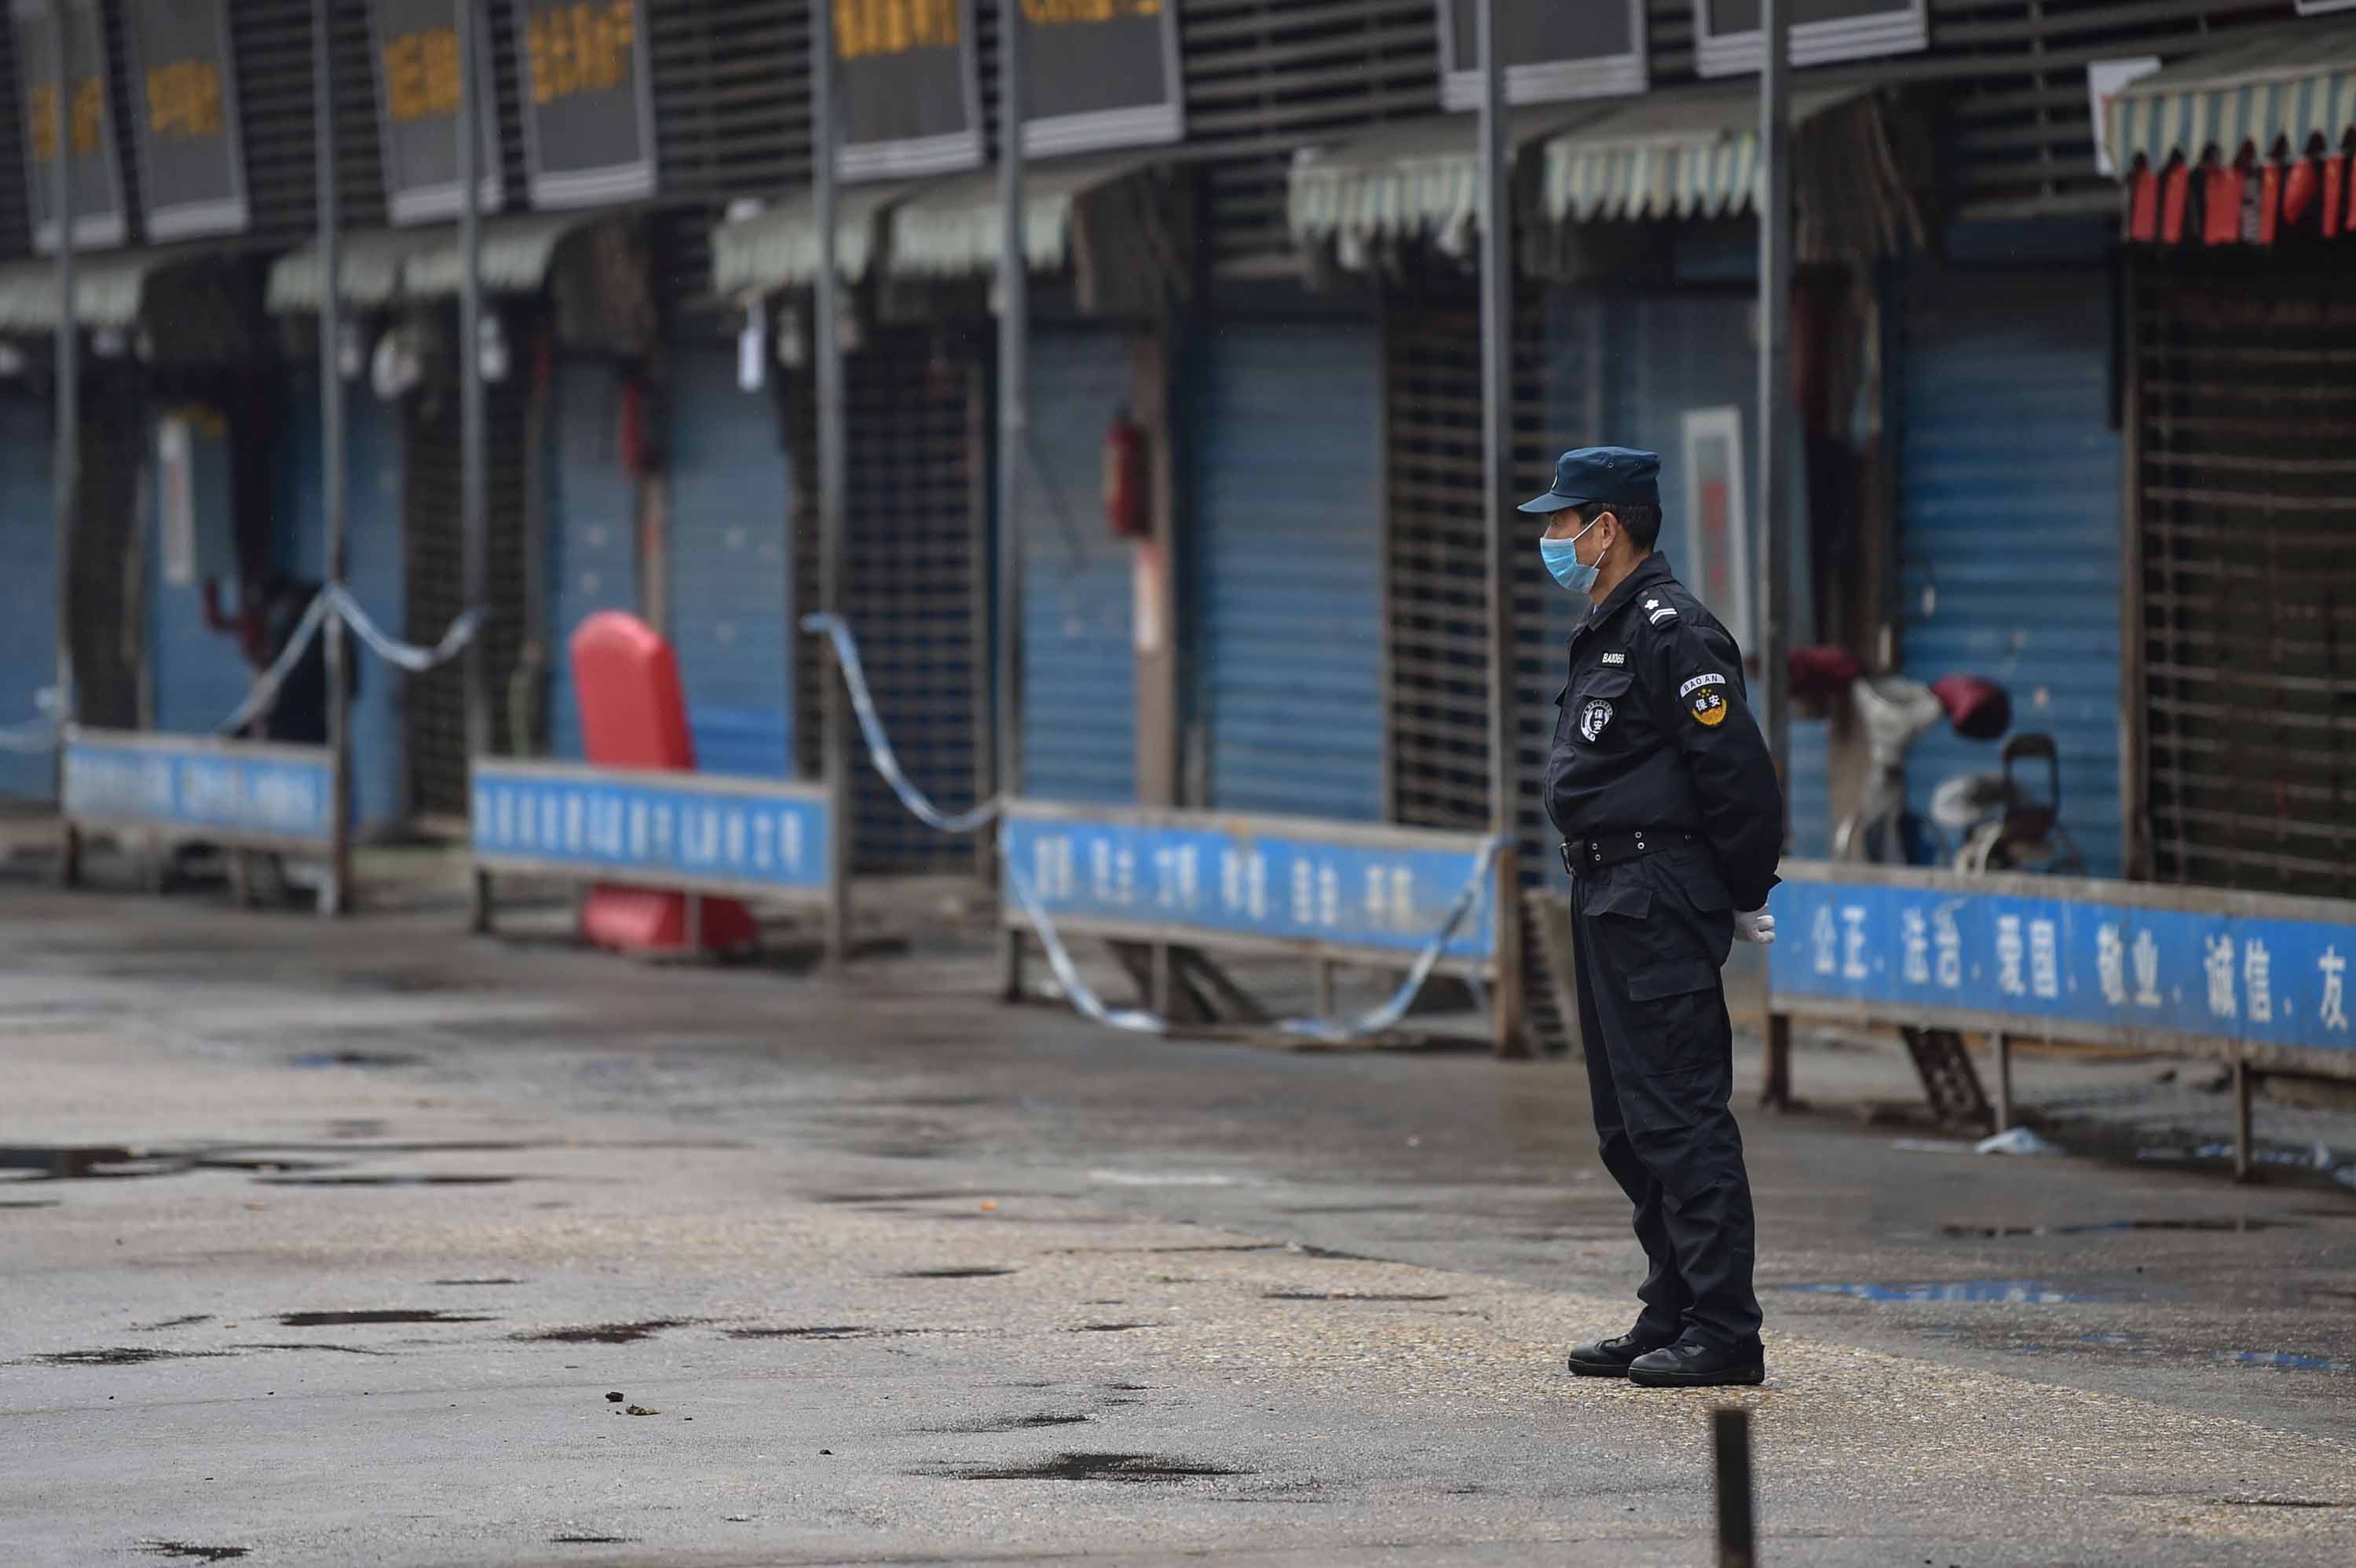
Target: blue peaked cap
{"points": [[1619, 474]]}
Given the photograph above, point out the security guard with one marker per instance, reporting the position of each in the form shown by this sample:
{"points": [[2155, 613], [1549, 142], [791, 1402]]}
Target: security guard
{"points": [[1672, 820]]}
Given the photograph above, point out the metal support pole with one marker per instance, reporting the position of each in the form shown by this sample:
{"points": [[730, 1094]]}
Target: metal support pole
{"points": [[1738, 1515], [830, 473], [2003, 1116], [2245, 1163], [334, 894], [67, 477], [1496, 470], [473, 496], [1774, 418], [1014, 399]]}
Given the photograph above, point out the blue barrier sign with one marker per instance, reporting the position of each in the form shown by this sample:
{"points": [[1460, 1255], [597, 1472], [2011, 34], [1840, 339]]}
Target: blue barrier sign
{"points": [[655, 829], [1159, 875], [2097, 959], [233, 790]]}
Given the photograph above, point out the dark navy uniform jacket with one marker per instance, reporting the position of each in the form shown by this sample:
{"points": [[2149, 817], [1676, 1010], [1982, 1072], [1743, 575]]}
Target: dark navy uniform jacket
{"points": [[1655, 732]]}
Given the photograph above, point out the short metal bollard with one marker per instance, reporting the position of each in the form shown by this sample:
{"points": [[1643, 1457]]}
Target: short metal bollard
{"points": [[1738, 1522]]}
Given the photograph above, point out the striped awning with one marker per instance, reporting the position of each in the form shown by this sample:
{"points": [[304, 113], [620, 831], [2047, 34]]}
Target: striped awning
{"points": [[2288, 89], [1668, 154], [951, 228], [114, 288], [779, 248], [1416, 179], [370, 258]]}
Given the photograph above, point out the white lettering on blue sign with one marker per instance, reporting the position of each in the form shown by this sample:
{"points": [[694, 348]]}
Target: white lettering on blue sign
{"points": [[2044, 959], [1825, 937], [2008, 951], [1950, 941], [2220, 966], [2111, 965], [2147, 968], [2333, 967], [1853, 965], [1915, 936], [2257, 981]]}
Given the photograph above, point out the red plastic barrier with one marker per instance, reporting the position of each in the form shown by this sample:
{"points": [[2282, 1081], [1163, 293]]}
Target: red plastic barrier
{"points": [[634, 715]]}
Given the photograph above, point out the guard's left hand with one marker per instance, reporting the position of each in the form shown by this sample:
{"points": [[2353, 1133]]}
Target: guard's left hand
{"points": [[1757, 926]]}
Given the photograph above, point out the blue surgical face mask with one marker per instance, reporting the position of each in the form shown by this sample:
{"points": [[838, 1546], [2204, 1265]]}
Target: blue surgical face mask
{"points": [[1561, 556]]}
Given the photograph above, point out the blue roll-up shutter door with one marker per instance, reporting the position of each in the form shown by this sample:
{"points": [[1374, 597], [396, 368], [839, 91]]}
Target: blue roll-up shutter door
{"points": [[29, 591], [1666, 356], [731, 585], [375, 565], [1079, 678], [593, 536], [197, 675], [1290, 585], [2009, 527]]}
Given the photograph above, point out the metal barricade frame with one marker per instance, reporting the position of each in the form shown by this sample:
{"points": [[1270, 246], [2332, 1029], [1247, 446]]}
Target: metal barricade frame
{"points": [[243, 794]]}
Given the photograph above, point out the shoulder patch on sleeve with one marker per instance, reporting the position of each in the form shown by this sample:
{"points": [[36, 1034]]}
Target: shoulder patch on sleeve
{"points": [[1658, 610], [1708, 678]]}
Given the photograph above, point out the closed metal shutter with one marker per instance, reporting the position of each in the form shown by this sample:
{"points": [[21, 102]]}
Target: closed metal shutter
{"points": [[15, 201], [1290, 562], [29, 589], [731, 578], [271, 42], [2245, 392], [1079, 670], [1436, 555], [2008, 525], [915, 578], [434, 584]]}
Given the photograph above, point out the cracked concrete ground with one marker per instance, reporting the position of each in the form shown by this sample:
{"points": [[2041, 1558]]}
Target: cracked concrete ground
{"points": [[371, 1221]]}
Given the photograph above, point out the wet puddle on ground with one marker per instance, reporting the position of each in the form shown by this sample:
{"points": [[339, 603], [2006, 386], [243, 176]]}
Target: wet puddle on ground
{"points": [[369, 1318], [1129, 1468], [186, 1553], [2011, 1292], [2225, 1224], [605, 1333], [955, 1274]]}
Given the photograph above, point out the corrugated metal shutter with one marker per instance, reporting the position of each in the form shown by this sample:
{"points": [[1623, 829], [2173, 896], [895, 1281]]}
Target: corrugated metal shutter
{"points": [[915, 575], [15, 201], [1080, 725], [271, 42], [592, 538], [373, 566], [2242, 484], [434, 583], [1290, 557], [2008, 524], [29, 589], [731, 577]]}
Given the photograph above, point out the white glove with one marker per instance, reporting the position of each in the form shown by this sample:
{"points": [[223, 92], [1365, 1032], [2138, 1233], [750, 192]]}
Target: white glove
{"points": [[1757, 926]]}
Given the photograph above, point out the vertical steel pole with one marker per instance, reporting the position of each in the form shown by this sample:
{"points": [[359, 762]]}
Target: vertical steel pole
{"points": [[68, 459], [1774, 442], [830, 473], [336, 895], [1497, 471], [1013, 423], [1013, 394], [474, 519]]}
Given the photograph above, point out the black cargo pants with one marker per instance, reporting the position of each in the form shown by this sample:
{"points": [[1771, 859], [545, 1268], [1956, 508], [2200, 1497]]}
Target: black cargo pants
{"points": [[1652, 934]]}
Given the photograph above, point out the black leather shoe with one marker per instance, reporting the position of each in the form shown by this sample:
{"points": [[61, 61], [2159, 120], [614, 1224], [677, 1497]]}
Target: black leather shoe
{"points": [[1610, 1358], [1691, 1364]]}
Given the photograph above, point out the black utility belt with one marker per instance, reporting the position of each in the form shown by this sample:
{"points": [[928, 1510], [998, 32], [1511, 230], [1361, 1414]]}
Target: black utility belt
{"points": [[1612, 848]]}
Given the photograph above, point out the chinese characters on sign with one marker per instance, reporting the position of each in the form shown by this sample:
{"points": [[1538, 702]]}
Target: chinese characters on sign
{"points": [[1280, 884], [1099, 73], [2279, 981], [277, 793], [588, 110], [909, 88], [85, 125], [417, 59], [191, 170], [656, 830]]}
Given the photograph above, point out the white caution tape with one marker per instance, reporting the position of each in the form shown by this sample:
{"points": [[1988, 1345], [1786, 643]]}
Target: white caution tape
{"points": [[337, 600], [879, 744], [1135, 1021]]}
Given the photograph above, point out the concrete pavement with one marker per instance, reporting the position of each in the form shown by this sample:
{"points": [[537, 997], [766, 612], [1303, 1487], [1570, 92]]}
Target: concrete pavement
{"points": [[330, 1244]]}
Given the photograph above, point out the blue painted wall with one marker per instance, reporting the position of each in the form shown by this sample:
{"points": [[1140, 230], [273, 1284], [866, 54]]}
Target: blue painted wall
{"points": [[593, 546], [28, 587]]}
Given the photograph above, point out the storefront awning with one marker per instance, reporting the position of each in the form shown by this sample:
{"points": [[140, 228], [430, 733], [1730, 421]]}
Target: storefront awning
{"points": [[516, 255], [779, 248], [951, 229], [370, 261], [2288, 89], [1668, 154], [113, 288], [1418, 179]]}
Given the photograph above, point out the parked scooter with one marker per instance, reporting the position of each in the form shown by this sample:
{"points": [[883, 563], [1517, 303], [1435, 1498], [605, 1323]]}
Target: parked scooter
{"points": [[2000, 825]]}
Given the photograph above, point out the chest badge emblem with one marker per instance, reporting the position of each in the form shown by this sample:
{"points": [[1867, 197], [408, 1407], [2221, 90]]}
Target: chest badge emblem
{"points": [[1592, 719]]}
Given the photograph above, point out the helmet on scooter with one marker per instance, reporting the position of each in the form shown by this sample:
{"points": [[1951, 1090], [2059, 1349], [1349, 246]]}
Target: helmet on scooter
{"points": [[1978, 709]]}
